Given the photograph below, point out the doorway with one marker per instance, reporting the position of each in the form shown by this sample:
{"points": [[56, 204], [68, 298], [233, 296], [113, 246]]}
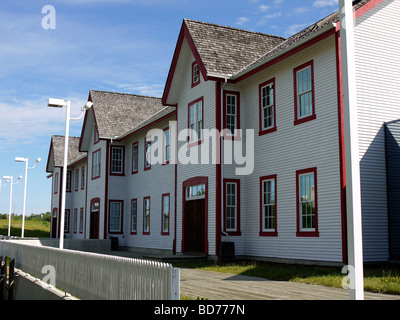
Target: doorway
{"points": [[195, 200], [94, 218], [54, 224]]}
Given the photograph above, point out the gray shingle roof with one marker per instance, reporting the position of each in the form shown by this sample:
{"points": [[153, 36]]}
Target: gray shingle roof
{"points": [[73, 150], [225, 50], [117, 113]]}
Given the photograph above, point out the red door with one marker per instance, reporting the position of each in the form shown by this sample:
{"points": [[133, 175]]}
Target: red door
{"points": [[194, 233]]}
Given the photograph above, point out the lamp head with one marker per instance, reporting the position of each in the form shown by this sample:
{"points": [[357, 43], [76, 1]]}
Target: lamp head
{"points": [[7, 177], [88, 105], [20, 159], [56, 103]]}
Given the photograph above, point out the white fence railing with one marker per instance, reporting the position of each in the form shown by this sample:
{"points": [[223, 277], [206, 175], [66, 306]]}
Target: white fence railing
{"points": [[92, 276]]}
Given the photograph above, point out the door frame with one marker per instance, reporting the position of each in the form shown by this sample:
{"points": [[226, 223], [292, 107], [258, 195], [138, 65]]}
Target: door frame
{"points": [[94, 200], [192, 182]]}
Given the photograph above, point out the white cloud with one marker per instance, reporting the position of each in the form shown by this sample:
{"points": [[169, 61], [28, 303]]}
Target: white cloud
{"points": [[263, 7], [325, 3], [293, 29], [242, 20]]}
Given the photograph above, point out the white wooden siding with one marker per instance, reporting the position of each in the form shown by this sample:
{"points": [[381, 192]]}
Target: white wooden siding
{"points": [[377, 47]]}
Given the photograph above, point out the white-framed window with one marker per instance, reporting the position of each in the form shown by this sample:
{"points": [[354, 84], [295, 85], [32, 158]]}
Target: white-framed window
{"points": [[76, 179], [195, 74], [81, 221], [307, 201], [75, 220], [68, 186], [135, 157], [268, 205], [166, 145], [115, 216], [83, 176], [96, 163], [267, 105], [55, 183], [134, 216], [147, 150], [165, 214], [231, 206], [66, 220], [146, 215], [196, 192], [196, 120], [304, 92], [117, 160]]}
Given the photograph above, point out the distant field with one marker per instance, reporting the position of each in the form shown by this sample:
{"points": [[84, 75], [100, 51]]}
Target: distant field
{"points": [[39, 229]]}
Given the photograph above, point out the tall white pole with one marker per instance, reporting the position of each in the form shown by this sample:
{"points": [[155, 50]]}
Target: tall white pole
{"points": [[64, 179], [353, 188], [9, 211], [24, 205]]}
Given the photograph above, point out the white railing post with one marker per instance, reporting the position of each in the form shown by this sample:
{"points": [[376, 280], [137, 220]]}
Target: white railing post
{"points": [[175, 283]]}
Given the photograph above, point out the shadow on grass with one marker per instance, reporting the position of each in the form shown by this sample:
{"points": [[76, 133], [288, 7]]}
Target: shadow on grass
{"points": [[16, 232]]}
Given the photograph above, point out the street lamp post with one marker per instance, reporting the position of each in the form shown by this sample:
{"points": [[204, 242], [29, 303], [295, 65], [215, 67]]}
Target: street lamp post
{"points": [[19, 159], [9, 212], [59, 103]]}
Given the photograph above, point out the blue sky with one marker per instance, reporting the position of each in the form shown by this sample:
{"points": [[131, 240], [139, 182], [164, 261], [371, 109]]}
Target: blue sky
{"points": [[111, 45]]}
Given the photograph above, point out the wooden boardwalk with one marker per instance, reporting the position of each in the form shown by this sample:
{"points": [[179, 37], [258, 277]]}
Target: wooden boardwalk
{"points": [[225, 286]]}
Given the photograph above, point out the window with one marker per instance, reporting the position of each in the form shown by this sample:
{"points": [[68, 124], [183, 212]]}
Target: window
{"points": [[147, 153], [66, 221], [76, 179], [268, 207], [117, 160], [307, 217], [231, 113], [166, 146], [146, 215], [81, 221], [83, 174], [304, 93], [232, 206], [195, 74], [115, 219], [267, 107], [196, 192], [134, 216], [165, 214], [75, 220], [56, 183], [195, 121], [68, 187], [96, 163], [135, 157], [95, 135]]}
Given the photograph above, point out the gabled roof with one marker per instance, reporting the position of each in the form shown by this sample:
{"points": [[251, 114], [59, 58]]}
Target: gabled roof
{"points": [[118, 113], [225, 50], [56, 152]]}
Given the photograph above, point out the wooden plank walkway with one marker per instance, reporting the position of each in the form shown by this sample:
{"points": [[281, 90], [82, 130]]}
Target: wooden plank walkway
{"points": [[225, 286]]}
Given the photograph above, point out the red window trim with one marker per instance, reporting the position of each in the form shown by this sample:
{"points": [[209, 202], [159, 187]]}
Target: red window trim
{"points": [[163, 149], [236, 137], [123, 161], [300, 233], [68, 185], [193, 84], [75, 225], [237, 232], [136, 143], [313, 115], [144, 199], [198, 142], [77, 180], [262, 131], [122, 217], [165, 233], [83, 177], [68, 216], [131, 231], [269, 233], [96, 177], [81, 211], [148, 138], [55, 185]]}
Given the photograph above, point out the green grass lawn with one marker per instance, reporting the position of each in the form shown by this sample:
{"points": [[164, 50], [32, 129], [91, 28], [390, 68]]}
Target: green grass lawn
{"points": [[382, 278], [38, 229]]}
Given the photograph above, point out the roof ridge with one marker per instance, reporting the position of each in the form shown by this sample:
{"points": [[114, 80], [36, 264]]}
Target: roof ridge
{"points": [[125, 93], [233, 28]]}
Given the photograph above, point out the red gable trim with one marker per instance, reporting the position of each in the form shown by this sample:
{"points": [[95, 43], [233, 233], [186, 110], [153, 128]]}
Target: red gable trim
{"points": [[184, 33]]}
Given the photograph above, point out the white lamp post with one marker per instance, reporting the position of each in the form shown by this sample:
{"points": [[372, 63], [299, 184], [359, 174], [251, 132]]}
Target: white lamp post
{"points": [[59, 103], [19, 159], [353, 188], [9, 212]]}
